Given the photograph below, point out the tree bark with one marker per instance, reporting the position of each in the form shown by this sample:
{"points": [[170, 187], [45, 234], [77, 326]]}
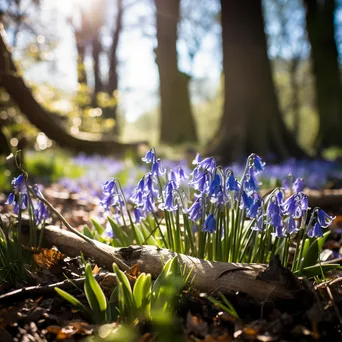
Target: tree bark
{"points": [[258, 281], [177, 123], [96, 51], [112, 86], [251, 120], [324, 56], [14, 84]]}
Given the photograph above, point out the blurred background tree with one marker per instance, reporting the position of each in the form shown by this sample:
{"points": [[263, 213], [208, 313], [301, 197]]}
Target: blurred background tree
{"points": [[277, 94]]}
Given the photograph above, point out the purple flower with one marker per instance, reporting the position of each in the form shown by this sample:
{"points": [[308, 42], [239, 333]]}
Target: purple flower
{"points": [[141, 185], [232, 183], [169, 204], [251, 183], [208, 164], [157, 168], [258, 164], [274, 214], [259, 221], [315, 231], [19, 184], [247, 201], [148, 206], [150, 156], [293, 206], [138, 215], [172, 176], [41, 213], [278, 231], [291, 225], [195, 211], [209, 225], [11, 199], [298, 185], [324, 219], [215, 186], [181, 174], [109, 187], [137, 198]]}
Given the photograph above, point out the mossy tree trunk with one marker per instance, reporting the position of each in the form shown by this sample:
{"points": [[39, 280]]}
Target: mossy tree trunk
{"points": [[251, 120], [177, 124], [324, 56]]}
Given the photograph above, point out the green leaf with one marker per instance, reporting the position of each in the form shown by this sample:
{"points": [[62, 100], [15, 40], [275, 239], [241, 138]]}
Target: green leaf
{"points": [[138, 235], [142, 293], [312, 251], [87, 232], [72, 300], [99, 228], [118, 232], [316, 270], [148, 237], [96, 288]]}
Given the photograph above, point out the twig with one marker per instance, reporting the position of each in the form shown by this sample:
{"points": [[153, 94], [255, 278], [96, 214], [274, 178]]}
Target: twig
{"points": [[45, 289]]}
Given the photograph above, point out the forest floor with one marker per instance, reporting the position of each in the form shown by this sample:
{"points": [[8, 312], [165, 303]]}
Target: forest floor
{"points": [[28, 313]]}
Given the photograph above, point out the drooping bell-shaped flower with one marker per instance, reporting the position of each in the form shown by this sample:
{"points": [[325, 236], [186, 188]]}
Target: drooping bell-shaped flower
{"points": [[209, 225], [150, 156], [324, 219]]}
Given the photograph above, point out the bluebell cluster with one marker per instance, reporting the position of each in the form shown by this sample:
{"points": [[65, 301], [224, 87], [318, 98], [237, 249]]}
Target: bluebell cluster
{"points": [[212, 190], [19, 198]]}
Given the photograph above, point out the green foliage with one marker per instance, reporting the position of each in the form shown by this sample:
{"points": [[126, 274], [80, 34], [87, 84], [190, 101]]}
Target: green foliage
{"points": [[13, 258], [144, 301]]}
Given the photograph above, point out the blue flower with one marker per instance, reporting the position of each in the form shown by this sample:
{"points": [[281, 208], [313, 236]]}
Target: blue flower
{"points": [[195, 211], [148, 206], [181, 174], [41, 213], [324, 219], [137, 198], [169, 204], [258, 225], [232, 183], [19, 184], [293, 206], [253, 209], [138, 215], [172, 176], [291, 225], [150, 156], [247, 201], [22, 202], [278, 231], [315, 231], [11, 199], [215, 186], [298, 185], [274, 214], [251, 183], [208, 164], [157, 168], [209, 225], [141, 185], [109, 187], [108, 201], [258, 164]]}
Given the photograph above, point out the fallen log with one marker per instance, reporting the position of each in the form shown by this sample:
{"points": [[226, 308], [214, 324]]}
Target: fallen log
{"points": [[260, 282]]}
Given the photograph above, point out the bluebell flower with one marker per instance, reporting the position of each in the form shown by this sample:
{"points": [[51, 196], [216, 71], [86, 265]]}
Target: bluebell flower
{"points": [[150, 156], [197, 159], [148, 205], [232, 183], [149, 185], [298, 185], [108, 201], [141, 185], [314, 231], [209, 225], [169, 187], [172, 176], [215, 186], [195, 211], [181, 174], [19, 184], [258, 225], [251, 183], [258, 164], [109, 187], [169, 204], [138, 215], [324, 219], [137, 198], [247, 201], [208, 164], [201, 181], [304, 202], [291, 225], [253, 209], [10, 199], [157, 168], [41, 213], [293, 206], [109, 231], [278, 231], [23, 199], [274, 214]]}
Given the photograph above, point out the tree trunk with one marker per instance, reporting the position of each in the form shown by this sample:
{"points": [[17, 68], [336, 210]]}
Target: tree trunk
{"points": [[177, 124], [324, 56], [45, 121], [295, 103], [112, 86], [96, 51], [251, 120], [260, 282]]}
